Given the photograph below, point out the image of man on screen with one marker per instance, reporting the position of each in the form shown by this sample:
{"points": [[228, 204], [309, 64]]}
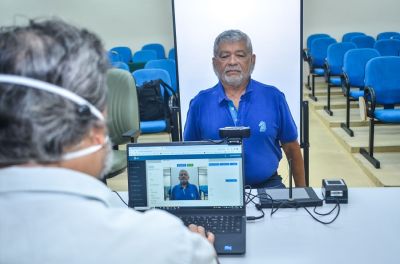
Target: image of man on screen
{"points": [[185, 190], [238, 100]]}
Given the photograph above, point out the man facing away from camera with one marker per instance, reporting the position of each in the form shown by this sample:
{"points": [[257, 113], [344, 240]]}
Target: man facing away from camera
{"points": [[54, 149]]}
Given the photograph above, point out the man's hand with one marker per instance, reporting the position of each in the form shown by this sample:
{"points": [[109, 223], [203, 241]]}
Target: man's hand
{"points": [[200, 230]]}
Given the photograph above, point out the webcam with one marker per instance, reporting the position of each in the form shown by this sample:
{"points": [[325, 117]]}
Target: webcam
{"points": [[234, 134]]}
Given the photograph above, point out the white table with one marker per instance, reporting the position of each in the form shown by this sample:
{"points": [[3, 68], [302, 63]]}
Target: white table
{"points": [[366, 231]]}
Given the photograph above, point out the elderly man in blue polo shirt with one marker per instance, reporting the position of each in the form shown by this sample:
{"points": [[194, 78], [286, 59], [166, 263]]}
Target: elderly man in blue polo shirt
{"points": [[184, 190], [238, 100]]}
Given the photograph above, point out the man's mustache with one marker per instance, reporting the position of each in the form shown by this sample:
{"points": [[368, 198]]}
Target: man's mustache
{"points": [[235, 68]]}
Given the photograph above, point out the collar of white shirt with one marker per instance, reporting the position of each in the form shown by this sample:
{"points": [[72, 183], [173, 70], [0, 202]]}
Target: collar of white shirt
{"points": [[52, 179]]}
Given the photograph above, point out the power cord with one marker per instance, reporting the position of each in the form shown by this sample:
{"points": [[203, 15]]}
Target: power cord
{"points": [[291, 204], [250, 199]]}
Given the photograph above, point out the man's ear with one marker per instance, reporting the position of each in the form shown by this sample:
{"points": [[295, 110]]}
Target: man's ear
{"points": [[98, 135]]}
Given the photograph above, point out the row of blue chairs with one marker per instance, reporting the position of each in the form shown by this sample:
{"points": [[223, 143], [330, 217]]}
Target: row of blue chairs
{"points": [[324, 48], [165, 64], [363, 74], [151, 51]]}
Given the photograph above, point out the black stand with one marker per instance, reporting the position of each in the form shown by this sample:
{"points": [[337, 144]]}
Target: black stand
{"points": [[304, 143], [176, 121]]}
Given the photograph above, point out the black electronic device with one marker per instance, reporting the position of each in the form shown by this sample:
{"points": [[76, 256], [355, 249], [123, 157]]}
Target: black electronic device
{"points": [[288, 197], [234, 132], [335, 191]]}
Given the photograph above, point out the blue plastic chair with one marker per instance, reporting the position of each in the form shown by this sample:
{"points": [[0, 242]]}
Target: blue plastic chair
{"points": [[124, 52], [146, 75], [388, 47], [382, 87], [333, 66], [363, 41], [319, 49], [348, 36], [353, 77], [395, 37], [113, 56], [306, 52], [172, 54], [120, 65], [166, 64], [143, 56], [387, 35], [158, 48], [310, 40]]}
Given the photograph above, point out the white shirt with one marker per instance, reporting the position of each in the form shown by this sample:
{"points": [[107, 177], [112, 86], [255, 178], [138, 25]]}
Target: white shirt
{"points": [[53, 215]]}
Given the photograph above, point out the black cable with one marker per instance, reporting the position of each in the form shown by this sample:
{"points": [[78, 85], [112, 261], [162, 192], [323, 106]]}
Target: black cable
{"points": [[328, 213], [291, 204], [329, 222], [219, 141], [120, 197], [250, 199]]}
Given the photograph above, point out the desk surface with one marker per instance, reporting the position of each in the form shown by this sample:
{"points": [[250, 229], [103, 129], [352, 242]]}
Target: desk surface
{"points": [[366, 231]]}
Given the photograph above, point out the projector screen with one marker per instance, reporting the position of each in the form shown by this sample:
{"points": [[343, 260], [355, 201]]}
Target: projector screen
{"points": [[274, 27]]}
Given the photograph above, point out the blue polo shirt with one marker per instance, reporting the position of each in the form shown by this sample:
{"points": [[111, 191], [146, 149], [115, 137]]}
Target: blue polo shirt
{"points": [[189, 193], [263, 108]]}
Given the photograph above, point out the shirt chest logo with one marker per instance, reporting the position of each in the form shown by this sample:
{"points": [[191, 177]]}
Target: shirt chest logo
{"points": [[263, 126]]}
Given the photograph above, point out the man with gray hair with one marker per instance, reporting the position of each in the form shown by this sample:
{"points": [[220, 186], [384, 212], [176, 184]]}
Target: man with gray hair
{"points": [[53, 151], [238, 100]]}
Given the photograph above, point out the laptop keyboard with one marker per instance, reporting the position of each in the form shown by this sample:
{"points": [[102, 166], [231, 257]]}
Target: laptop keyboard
{"points": [[216, 224]]}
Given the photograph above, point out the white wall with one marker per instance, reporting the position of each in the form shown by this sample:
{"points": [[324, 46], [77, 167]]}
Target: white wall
{"points": [[198, 22], [341, 16], [131, 23]]}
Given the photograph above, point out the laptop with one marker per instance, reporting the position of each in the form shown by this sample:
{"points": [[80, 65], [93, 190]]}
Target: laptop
{"points": [[200, 182]]}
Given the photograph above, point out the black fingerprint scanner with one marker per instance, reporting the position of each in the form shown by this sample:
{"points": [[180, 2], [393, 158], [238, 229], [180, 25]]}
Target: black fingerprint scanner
{"points": [[334, 190]]}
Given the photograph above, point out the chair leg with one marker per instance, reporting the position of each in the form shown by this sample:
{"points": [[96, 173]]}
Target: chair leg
{"points": [[327, 108], [312, 95], [346, 126], [370, 155], [308, 82]]}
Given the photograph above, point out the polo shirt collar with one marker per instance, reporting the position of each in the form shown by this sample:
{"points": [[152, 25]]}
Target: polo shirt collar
{"points": [[51, 179], [221, 92]]}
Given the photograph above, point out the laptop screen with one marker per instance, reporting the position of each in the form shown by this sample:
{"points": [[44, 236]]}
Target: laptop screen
{"points": [[185, 175]]}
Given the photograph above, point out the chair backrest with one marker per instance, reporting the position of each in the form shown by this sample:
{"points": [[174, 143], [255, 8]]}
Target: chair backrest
{"points": [[122, 105], [354, 62], [113, 56], [319, 49], [395, 37], [388, 47], [335, 54], [387, 35], [382, 74], [348, 36], [315, 36], [166, 64], [145, 75], [120, 65], [124, 52], [172, 54], [143, 56], [158, 48], [363, 41]]}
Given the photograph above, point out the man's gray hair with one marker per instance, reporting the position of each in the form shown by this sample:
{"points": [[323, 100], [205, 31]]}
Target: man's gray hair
{"points": [[232, 35], [37, 126]]}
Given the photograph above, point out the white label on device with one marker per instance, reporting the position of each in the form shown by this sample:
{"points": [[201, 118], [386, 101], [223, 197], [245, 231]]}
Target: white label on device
{"points": [[336, 193]]}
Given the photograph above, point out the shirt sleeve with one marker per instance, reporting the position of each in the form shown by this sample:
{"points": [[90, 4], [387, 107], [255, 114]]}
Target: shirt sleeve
{"points": [[191, 131], [288, 128]]}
